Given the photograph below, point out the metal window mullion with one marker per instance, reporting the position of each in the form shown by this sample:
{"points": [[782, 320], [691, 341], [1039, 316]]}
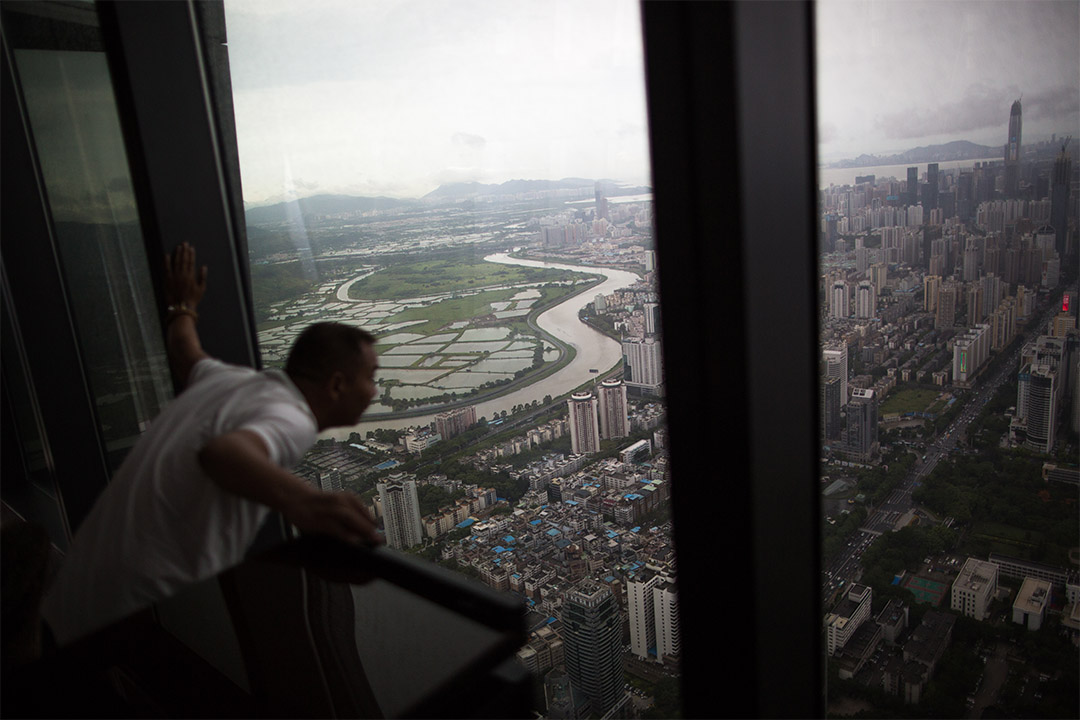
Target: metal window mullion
{"points": [[41, 312]]}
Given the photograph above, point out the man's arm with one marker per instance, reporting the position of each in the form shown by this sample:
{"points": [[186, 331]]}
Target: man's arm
{"points": [[239, 462], [184, 288]]}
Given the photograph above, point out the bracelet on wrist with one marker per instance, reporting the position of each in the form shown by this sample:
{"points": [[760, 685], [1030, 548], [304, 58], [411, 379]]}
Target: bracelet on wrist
{"points": [[176, 311]]}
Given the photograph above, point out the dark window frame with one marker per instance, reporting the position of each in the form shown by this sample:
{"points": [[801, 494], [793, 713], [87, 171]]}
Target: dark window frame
{"points": [[730, 97]]}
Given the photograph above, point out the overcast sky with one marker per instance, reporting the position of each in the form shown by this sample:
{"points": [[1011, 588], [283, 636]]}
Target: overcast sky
{"points": [[898, 75], [395, 97]]}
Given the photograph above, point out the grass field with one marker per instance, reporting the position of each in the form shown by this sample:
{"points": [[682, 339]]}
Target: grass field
{"points": [[908, 400], [431, 277]]}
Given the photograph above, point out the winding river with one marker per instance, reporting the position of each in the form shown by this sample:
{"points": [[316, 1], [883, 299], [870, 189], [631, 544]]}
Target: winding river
{"points": [[594, 350]]}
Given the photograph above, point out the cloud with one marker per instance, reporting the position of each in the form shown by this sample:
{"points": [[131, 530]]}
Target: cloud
{"points": [[981, 107], [472, 141], [1053, 103]]}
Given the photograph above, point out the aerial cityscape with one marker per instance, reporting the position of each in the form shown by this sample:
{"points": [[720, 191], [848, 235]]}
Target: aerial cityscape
{"points": [[519, 432]]}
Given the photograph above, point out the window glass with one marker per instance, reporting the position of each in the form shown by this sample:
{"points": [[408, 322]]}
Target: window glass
{"points": [[948, 203], [72, 114], [471, 182]]}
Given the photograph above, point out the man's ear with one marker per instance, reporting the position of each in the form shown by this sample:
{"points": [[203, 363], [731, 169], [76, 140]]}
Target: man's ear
{"points": [[335, 384]]}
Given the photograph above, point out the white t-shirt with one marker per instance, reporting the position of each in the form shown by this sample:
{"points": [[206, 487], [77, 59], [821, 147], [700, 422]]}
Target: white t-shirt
{"points": [[162, 523]]}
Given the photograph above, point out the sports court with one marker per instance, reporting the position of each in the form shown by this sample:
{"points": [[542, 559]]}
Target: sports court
{"points": [[927, 592]]}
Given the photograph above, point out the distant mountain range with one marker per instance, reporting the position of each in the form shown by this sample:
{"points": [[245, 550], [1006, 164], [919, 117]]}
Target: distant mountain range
{"points": [[320, 205], [513, 187], [956, 150], [338, 204]]}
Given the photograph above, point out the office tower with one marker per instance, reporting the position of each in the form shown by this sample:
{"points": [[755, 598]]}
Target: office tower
{"points": [[839, 300], [865, 301], [836, 366], [601, 203], [931, 201], [401, 511], [454, 422], [965, 196], [862, 424], [831, 428], [1060, 184], [643, 367], [931, 285], [912, 185], [584, 427], [1042, 391], [948, 294], [600, 304], [592, 644], [1012, 152], [614, 422]]}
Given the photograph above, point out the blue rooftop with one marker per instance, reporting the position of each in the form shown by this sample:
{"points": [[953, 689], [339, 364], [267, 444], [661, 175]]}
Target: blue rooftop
{"points": [[499, 549], [635, 529], [572, 502], [465, 523], [535, 522], [552, 532], [509, 540], [387, 464]]}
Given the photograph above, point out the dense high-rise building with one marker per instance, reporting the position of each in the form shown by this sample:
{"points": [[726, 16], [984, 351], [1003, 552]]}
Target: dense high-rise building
{"points": [[879, 276], [948, 297], [614, 419], [970, 353], [965, 196], [592, 644], [845, 619], [861, 435], [401, 511], [836, 366], [1060, 185], [1047, 374], [1012, 152], [912, 185], [454, 422], [651, 312], [641, 613], [652, 604], [865, 300], [584, 424], [931, 285], [840, 300], [831, 428], [931, 200], [643, 367], [601, 203], [666, 611]]}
